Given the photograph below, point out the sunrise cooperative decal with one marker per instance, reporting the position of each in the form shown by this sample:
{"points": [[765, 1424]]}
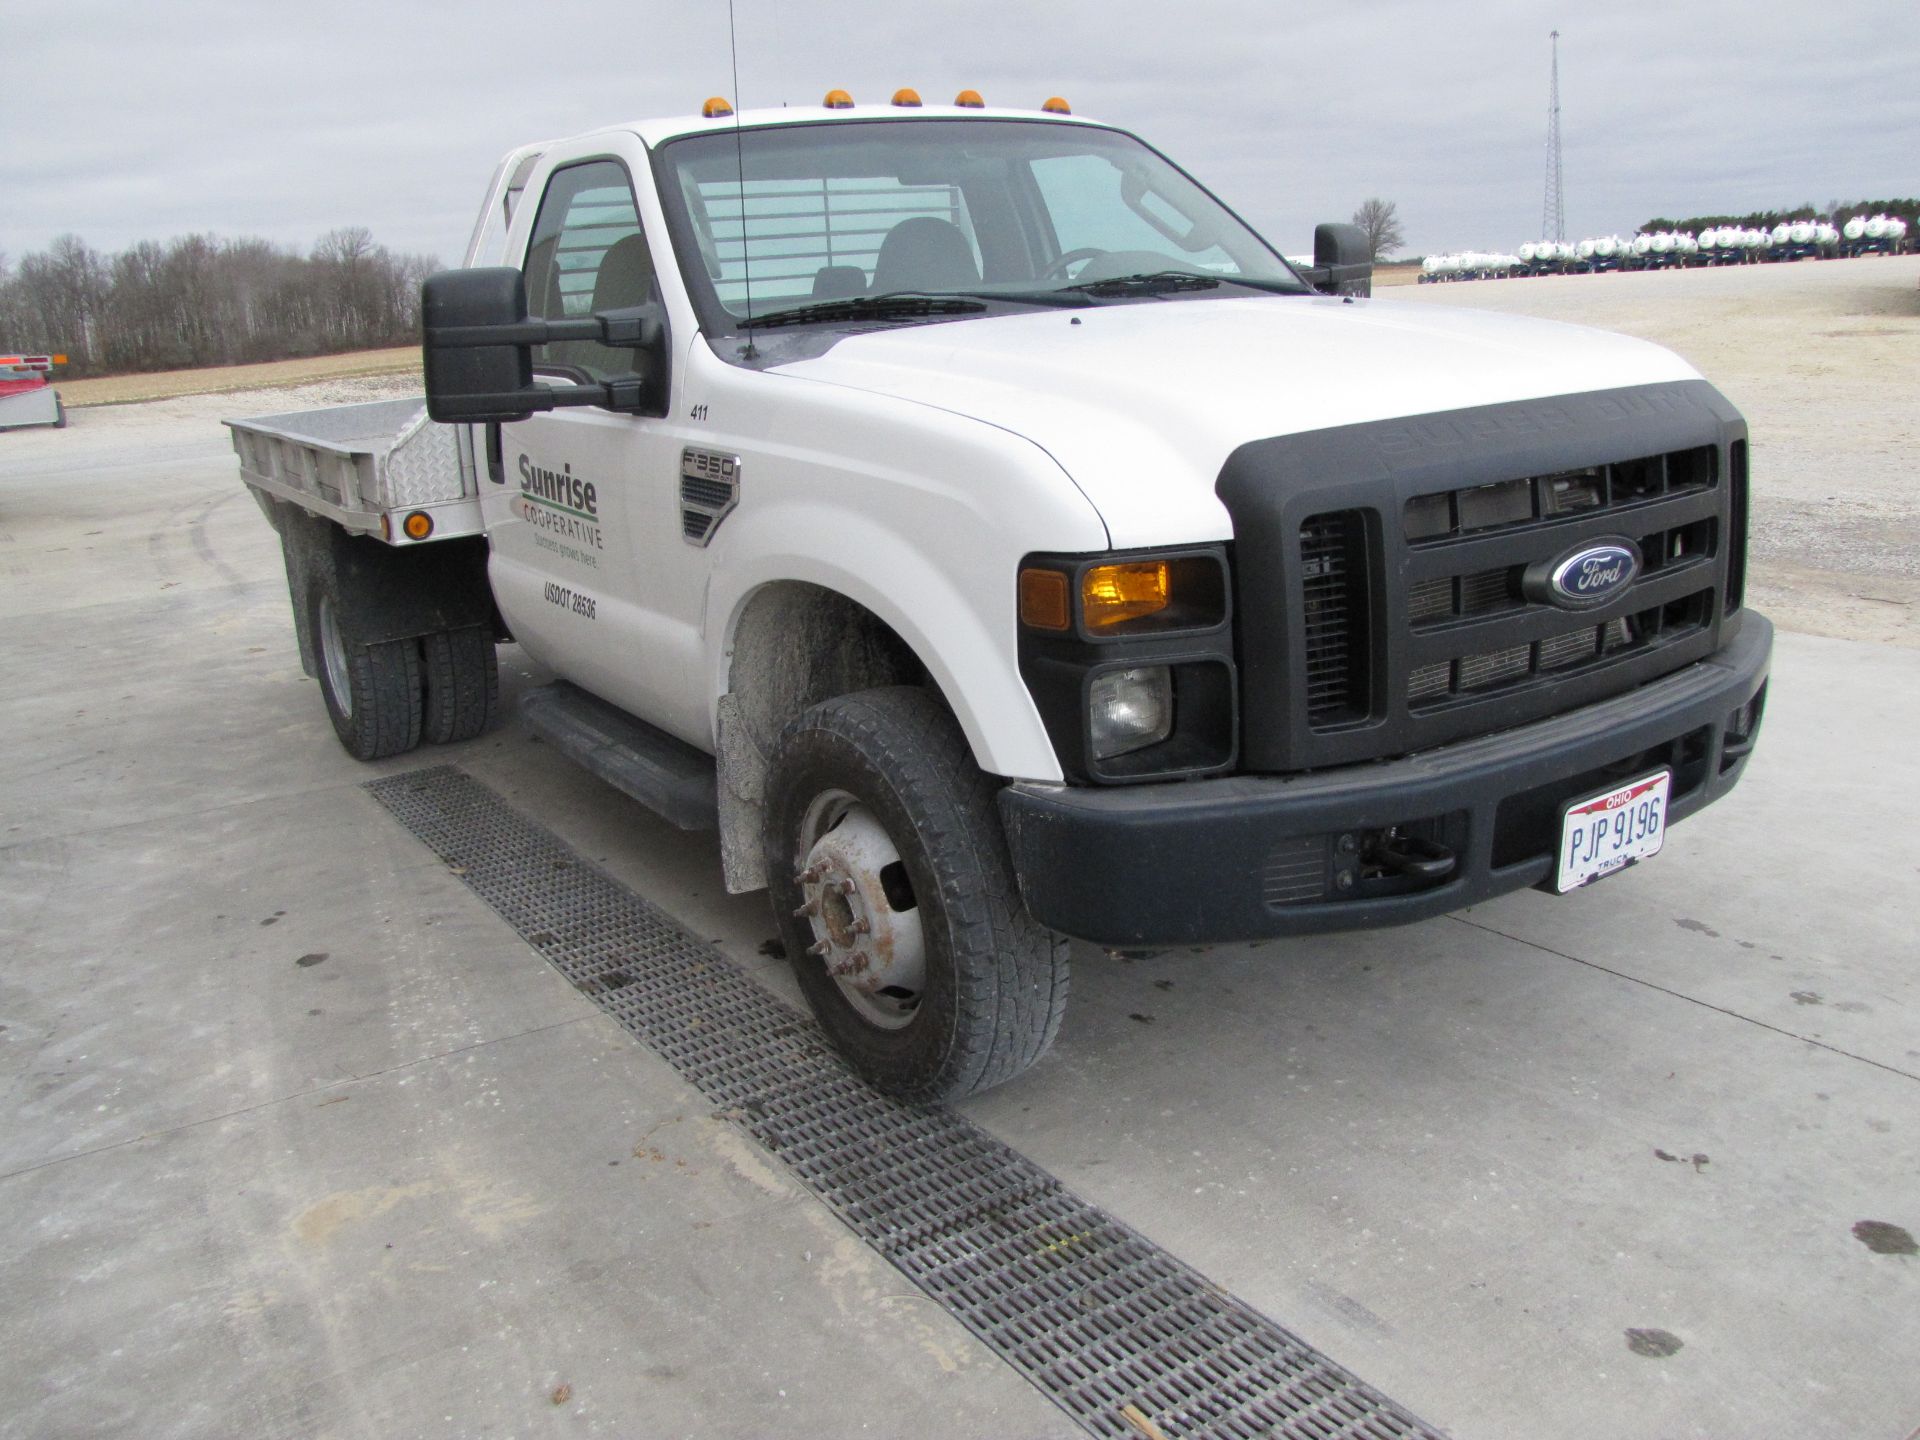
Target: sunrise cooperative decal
{"points": [[561, 504]]}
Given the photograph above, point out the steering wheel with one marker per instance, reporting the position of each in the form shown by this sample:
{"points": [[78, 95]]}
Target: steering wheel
{"points": [[1058, 269]]}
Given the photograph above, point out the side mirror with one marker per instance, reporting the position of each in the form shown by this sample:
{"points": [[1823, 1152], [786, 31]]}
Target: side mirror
{"points": [[477, 349], [1342, 261]]}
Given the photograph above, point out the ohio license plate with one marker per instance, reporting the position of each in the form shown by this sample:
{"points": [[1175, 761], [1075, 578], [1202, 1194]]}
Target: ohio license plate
{"points": [[1609, 832]]}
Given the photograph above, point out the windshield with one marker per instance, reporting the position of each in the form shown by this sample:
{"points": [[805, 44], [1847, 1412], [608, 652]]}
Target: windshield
{"points": [[989, 209]]}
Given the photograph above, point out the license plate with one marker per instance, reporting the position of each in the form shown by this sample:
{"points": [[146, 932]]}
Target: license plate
{"points": [[1608, 832]]}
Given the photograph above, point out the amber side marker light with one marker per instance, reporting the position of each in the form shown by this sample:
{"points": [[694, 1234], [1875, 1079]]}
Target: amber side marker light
{"points": [[1112, 595], [418, 525], [838, 100], [906, 98], [969, 100], [1058, 106], [717, 107], [1045, 602]]}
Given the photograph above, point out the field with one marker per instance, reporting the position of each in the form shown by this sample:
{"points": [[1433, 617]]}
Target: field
{"points": [[166, 384]]}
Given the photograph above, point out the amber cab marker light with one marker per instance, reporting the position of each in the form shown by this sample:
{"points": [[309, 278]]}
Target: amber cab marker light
{"points": [[1044, 603], [418, 525], [838, 100], [1058, 106], [1111, 595], [969, 100], [907, 98], [717, 108]]}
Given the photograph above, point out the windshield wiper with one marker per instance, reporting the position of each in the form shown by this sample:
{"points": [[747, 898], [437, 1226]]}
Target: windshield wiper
{"points": [[902, 306], [1153, 282]]}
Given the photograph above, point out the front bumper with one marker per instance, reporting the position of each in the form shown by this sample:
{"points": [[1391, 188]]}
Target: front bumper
{"points": [[1249, 857]]}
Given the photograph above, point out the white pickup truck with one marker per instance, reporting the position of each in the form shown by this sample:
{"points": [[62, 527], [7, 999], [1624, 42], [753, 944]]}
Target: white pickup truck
{"points": [[992, 538]]}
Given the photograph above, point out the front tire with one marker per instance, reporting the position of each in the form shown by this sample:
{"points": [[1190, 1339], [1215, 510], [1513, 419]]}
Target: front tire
{"points": [[897, 903]]}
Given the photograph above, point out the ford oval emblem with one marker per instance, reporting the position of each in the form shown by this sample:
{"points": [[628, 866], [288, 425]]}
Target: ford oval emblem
{"points": [[1585, 578]]}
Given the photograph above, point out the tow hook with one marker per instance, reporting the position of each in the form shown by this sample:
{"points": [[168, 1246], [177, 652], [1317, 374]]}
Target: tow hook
{"points": [[1426, 860]]}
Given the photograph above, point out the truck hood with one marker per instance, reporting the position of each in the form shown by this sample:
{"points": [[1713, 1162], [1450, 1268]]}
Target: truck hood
{"points": [[1141, 404]]}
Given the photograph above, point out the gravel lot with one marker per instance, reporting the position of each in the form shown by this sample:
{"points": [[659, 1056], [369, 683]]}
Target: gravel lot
{"points": [[1823, 358]]}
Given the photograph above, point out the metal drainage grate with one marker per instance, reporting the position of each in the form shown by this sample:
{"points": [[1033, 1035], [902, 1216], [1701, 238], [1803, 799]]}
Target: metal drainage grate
{"points": [[1123, 1337]]}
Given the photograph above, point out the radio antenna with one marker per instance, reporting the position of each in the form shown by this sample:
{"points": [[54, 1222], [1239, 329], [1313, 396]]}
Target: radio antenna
{"points": [[740, 165]]}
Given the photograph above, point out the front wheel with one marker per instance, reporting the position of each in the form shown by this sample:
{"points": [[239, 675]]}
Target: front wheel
{"points": [[897, 902]]}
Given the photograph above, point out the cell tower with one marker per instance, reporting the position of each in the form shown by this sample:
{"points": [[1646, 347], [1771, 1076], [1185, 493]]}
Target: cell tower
{"points": [[1553, 216]]}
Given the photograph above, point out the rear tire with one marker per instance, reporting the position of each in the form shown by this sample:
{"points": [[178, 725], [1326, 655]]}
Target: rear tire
{"points": [[372, 688], [914, 949], [462, 679]]}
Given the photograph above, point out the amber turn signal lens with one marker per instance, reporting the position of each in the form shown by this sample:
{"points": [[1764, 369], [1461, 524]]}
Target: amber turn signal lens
{"points": [[418, 525], [1057, 106], [1111, 595], [838, 100], [716, 107], [1044, 600], [969, 100], [906, 98]]}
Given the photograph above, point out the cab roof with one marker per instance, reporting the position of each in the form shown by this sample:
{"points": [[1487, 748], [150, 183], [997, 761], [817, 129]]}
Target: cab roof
{"points": [[657, 132]]}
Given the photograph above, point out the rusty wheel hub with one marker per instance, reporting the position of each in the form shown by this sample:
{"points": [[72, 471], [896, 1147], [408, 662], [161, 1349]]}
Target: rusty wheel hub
{"points": [[866, 923]]}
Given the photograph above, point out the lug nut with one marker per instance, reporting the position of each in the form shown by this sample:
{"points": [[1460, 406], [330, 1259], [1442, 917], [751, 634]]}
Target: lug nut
{"points": [[812, 907], [862, 925], [820, 947], [807, 876], [847, 887]]}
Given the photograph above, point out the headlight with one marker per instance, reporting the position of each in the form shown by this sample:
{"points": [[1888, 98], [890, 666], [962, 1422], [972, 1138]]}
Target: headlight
{"points": [[1130, 709]]}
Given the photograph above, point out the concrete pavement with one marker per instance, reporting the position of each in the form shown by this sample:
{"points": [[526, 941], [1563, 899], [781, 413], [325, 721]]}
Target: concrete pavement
{"points": [[300, 1139]]}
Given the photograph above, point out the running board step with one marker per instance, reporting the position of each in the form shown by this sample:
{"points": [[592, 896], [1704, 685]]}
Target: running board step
{"points": [[666, 775]]}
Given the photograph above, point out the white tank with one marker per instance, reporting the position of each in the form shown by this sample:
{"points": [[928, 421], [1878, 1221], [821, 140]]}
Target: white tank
{"points": [[1825, 234], [1430, 265], [1876, 228], [1855, 228], [1661, 243], [1687, 245], [1606, 247], [1584, 249], [1896, 228], [1642, 244], [1781, 232], [1526, 252], [1801, 232]]}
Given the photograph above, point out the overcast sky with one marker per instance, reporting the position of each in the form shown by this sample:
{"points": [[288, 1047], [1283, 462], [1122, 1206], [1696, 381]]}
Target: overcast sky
{"points": [[140, 120]]}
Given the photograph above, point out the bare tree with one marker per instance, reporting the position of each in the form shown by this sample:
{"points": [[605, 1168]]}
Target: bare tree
{"points": [[201, 300], [1379, 220]]}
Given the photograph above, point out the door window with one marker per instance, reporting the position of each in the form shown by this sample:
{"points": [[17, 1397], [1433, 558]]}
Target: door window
{"points": [[588, 254]]}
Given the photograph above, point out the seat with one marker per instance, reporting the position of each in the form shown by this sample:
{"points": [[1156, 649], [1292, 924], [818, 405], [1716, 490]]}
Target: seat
{"points": [[839, 282], [924, 253], [624, 280]]}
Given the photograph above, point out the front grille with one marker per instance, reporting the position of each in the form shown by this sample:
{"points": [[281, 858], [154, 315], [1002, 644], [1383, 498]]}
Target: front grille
{"points": [[1474, 633], [1455, 519], [1482, 509], [1336, 593]]}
